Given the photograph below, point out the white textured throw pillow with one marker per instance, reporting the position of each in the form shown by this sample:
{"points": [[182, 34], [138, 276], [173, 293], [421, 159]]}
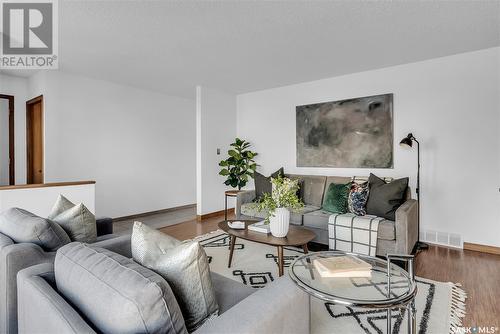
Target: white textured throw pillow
{"points": [[62, 204], [184, 265], [79, 223]]}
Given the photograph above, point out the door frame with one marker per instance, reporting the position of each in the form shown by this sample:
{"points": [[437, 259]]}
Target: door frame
{"points": [[12, 161], [29, 152]]}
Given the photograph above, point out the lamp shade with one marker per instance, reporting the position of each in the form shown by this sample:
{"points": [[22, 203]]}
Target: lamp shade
{"points": [[407, 141]]}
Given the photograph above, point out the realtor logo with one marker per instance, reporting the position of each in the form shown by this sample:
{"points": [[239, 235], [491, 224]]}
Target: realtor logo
{"points": [[29, 34]]}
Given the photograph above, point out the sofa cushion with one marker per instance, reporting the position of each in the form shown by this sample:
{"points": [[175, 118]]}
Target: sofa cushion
{"points": [[385, 198], [114, 293], [250, 210], [185, 267], [337, 180], [23, 226], [229, 292], [364, 179], [317, 219], [263, 183], [312, 188], [297, 218], [79, 223]]}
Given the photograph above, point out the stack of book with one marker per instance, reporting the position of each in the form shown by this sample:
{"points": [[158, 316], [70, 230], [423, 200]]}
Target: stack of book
{"points": [[261, 227], [342, 266]]}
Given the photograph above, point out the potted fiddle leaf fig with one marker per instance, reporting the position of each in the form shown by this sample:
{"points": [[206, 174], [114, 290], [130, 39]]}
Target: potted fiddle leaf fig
{"points": [[240, 166]]}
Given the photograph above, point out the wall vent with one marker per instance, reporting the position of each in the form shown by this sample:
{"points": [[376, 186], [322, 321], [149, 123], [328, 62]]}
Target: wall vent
{"points": [[443, 238], [430, 236], [456, 240]]}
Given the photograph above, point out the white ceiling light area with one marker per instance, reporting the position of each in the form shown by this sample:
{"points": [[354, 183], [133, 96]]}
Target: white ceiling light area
{"points": [[243, 46]]}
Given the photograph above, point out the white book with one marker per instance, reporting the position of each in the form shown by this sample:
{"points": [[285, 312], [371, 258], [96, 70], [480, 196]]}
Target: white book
{"points": [[261, 227], [236, 225], [342, 266], [350, 274]]}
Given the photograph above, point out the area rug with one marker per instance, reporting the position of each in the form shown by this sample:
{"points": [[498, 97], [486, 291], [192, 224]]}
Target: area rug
{"points": [[440, 306]]}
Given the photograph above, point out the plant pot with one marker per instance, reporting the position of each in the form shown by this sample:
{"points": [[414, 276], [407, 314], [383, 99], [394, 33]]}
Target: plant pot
{"points": [[279, 222]]}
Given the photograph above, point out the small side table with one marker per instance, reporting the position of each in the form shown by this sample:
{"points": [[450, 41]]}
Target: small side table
{"points": [[229, 193], [376, 292]]}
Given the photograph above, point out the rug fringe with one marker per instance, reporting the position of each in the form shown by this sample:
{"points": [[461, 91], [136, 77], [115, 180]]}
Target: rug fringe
{"points": [[203, 236], [457, 307]]}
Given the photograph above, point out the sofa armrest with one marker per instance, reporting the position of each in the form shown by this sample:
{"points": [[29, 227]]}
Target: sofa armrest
{"points": [[119, 244], [281, 307], [244, 196], [5, 241], [41, 308], [104, 225], [406, 227], [14, 258]]}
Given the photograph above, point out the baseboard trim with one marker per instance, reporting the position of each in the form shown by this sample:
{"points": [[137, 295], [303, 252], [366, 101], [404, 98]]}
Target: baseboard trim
{"points": [[482, 248], [213, 214], [139, 215]]}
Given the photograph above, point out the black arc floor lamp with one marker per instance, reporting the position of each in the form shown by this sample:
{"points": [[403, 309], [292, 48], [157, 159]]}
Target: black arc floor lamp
{"points": [[408, 142]]}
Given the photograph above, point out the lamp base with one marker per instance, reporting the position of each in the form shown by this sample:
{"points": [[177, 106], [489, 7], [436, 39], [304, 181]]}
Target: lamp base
{"points": [[419, 246], [422, 245]]}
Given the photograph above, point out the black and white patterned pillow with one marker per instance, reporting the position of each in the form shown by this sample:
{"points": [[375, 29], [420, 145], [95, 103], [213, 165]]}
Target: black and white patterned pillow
{"points": [[358, 196]]}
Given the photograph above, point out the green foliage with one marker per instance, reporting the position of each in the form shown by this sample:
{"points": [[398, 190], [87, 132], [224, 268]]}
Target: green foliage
{"points": [[239, 167], [284, 195]]}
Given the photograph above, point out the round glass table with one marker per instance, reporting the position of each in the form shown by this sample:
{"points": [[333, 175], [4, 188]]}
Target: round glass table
{"points": [[377, 290]]}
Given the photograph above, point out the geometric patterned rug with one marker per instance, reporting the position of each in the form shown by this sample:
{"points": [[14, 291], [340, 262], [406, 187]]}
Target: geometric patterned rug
{"points": [[440, 306]]}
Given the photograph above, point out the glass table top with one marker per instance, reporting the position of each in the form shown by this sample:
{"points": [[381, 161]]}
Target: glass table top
{"points": [[355, 291]]}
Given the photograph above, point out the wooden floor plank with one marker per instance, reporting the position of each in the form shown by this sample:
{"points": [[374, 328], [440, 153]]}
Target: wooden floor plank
{"points": [[479, 274]]}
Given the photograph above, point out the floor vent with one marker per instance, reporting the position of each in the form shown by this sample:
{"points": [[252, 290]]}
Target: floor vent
{"points": [[443, 238]]}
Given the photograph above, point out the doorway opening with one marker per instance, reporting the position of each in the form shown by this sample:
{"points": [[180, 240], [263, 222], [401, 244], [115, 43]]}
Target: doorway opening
{"points": [[34, 140], [7, 163]]}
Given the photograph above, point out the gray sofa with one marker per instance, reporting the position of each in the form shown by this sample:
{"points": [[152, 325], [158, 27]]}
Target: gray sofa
{"points": [[281, 307], [397, 236], [17, 256]]}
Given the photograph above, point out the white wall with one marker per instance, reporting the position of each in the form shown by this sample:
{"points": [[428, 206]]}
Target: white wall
{"points": [[4, 142], [17, 87], [450, 104], [41, 200], [215, 128], [138, 145]]}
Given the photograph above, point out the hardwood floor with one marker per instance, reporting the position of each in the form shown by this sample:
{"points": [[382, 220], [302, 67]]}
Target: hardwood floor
{"points": [[192, 228], [479, 273], [156, 220]]}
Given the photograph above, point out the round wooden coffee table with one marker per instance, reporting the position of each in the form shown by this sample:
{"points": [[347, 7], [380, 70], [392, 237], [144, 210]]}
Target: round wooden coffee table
{"points": [[297, 236]]}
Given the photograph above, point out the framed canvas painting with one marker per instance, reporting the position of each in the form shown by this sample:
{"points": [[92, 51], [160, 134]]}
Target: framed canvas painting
{"points": [[353, 133]]}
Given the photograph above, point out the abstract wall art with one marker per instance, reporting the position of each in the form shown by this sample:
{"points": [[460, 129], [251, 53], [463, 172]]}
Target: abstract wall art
{"points": [[353, 133]]}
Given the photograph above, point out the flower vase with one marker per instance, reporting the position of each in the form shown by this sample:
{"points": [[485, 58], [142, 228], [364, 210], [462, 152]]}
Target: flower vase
{"points": [[279, 222]]}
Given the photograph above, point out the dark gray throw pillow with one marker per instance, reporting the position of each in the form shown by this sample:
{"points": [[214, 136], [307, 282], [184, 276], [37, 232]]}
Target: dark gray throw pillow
{"points": [[385, 198], [263, 183]]}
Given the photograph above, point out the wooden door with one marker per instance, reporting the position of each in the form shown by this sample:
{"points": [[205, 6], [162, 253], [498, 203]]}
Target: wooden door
{"points": [[10, 99], [34, 140]]}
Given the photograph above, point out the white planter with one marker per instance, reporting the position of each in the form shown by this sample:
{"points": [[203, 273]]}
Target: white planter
{"points": [[279, 222]]}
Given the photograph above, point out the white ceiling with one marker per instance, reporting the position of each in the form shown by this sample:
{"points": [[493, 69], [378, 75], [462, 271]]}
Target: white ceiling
{"points": [[171, 46]]}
